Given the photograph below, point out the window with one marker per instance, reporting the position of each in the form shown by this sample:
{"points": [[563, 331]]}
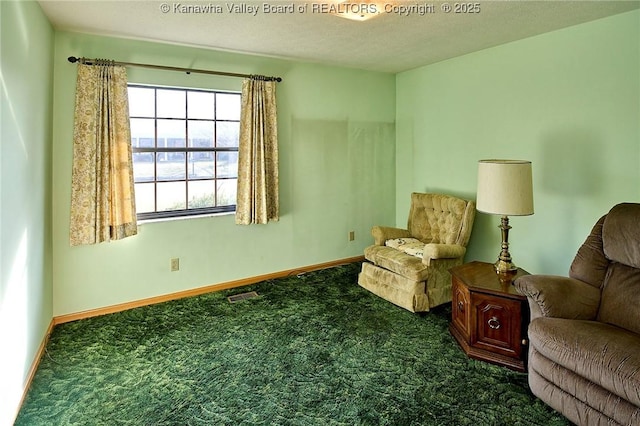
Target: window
{"points": [[185, 150]]}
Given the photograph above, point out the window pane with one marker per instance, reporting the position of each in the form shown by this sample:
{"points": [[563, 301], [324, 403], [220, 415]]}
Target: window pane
{"points": [[142, 132], [172, 196], [171, 165], [201, 105], [141, 102], [227, 163], [143, 166], [171, 103], [201, 194], [166, 124], [227, 192], [201, 165], [201, 134], [228, 134], [172, 133], [227, 106], [145, 197]]}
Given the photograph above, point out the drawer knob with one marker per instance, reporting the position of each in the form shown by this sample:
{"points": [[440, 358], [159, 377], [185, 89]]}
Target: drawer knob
{"points": [[460, 306], [494, 323]]}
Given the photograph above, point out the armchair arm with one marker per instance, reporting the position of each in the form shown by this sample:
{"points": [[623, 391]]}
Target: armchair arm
{"points": [[384, 233], [442, 251], [560, 297]]}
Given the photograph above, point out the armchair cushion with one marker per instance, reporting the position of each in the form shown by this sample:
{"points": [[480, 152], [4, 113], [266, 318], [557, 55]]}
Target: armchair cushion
{"points": [[398, 262], [426, 252], [601, 353], [410, 246], [621, 298]]}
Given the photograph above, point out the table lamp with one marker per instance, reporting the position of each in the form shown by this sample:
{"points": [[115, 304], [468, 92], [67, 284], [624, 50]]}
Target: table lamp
{"points": [[505, 188]]}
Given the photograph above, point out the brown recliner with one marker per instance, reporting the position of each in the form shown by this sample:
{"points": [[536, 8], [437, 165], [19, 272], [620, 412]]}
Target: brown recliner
{"points": [[584, 334], [410, 267]]}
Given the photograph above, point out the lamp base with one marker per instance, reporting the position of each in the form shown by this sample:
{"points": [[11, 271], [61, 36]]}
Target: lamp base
{"points": [[505, 267]]}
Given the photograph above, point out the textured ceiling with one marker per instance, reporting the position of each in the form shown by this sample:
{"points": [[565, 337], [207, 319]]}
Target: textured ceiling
{"points": [[390, 42]]}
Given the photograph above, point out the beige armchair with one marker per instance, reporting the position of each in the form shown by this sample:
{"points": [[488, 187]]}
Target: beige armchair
{"points": [[410, 267]]}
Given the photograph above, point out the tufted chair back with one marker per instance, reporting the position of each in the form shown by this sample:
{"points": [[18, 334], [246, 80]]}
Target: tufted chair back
{"points": [[440, 219]]}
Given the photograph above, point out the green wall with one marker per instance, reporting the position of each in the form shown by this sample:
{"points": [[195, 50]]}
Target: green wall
{"points": [[569, 101], [26, 53], [337, 174]]}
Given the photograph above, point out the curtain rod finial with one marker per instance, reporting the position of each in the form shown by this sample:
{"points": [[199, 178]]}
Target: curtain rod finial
{"points": [[72, 59]]}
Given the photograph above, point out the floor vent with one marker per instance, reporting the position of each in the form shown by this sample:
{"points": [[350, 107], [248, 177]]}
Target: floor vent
{"points": [[242, 296]]}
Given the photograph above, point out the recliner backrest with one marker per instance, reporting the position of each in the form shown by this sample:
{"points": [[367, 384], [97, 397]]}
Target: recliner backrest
{"points": [[590, 264], [621, 234], [620, 299], [440, 219]]}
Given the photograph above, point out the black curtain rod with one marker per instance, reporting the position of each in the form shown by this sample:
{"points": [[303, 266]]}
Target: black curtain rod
{"points": [[87, 61]]}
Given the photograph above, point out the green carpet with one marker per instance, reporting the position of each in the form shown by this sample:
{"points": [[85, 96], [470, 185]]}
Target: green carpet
{"points": [[314, 349]]}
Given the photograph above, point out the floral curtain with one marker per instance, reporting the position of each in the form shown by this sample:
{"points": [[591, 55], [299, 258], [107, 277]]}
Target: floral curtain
{"points": [[102, 197], [257, 197]]}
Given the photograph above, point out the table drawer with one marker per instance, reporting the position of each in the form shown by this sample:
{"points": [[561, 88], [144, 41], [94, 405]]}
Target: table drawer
{"points": [[496, 324]]}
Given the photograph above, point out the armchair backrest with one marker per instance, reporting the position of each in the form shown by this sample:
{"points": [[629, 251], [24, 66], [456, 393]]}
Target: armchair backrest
{"points": [[440, 219], [621, 234], [610, 260], [590, 265], [620, 299]]}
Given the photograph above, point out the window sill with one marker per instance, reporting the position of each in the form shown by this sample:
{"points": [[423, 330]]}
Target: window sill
{"points": [[176, 218]]}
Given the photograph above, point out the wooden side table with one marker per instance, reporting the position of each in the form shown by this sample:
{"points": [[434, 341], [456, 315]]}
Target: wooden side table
{"points": [[489, 318]]}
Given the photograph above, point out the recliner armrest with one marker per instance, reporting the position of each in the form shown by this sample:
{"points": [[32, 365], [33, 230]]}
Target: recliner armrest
{"points": [[442, 251], [559, 297], [383, 233]]}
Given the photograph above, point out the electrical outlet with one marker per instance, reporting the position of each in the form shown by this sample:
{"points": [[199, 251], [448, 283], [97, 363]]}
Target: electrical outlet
{"points": [[175, 264], [352, 235]]}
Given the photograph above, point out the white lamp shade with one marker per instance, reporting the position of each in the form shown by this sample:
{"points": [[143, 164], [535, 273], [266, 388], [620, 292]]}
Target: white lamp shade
{"points": [[505, 187]]}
